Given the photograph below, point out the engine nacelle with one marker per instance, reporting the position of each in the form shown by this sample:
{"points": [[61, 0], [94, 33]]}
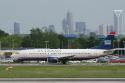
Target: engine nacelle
{"points": [[52, 59]]}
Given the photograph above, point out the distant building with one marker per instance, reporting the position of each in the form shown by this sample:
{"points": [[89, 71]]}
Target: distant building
{"points": [[110, 28], [16, 28], [44, 29], [64, 25], [87, 32], [102, 30], [51, 28], [118, 21], [80, 27], [93, 34], [68, 24]]}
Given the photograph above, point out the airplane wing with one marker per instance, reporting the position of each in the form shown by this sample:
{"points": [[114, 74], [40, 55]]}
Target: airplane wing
{"points": [[66, 57], [62, 56], [118, 49]]}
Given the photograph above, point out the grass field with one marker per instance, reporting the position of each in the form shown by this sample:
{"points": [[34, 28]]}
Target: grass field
{"points": [[63, 72]]}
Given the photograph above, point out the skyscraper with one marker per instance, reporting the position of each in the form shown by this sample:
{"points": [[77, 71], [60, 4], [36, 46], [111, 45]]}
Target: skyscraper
{"points": [[102, 30], [64, 25], [118, 21], [44, 29], [16, 28], [105, 29], [80, 27], [109, 29], [51, 28], [68, 24]]}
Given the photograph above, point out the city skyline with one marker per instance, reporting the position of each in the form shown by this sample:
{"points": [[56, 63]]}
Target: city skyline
{"points": [[39, 13]]}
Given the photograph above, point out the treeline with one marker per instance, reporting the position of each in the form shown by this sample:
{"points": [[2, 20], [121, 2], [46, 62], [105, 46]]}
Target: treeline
{"points": [[44, 39]]}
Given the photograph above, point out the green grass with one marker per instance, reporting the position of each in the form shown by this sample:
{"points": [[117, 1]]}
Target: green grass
{"points": [[63, 72]]}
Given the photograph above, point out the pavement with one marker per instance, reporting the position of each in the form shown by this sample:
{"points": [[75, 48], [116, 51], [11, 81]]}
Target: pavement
{"points": [[87, 64], [62, 80]]}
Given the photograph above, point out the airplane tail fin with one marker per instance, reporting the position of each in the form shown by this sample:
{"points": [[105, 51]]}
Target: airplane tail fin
{"points": [[107, 43]]}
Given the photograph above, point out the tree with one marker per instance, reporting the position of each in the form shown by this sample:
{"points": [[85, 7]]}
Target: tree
{"points": [[26, 42], [63, 41], [3, 34], [52, 38], [92, 41], [82, 42], [11, 41], [122, 42], [37, 39]]}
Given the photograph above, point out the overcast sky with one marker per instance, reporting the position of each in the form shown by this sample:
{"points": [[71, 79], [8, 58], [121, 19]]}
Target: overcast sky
{"points": [[38, 13]]}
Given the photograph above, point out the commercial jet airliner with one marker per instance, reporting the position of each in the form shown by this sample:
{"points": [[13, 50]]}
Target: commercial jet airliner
{"points": [[64, 55]]}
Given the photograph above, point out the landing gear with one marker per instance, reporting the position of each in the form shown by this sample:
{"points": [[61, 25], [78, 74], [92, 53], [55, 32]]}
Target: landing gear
{"points": [[19, 61], [64, 61]]}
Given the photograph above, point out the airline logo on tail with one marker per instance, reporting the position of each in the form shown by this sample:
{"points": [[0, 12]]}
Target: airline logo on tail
{"points": [[107, 42]]}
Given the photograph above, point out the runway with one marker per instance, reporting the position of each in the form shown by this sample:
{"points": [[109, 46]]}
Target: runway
{"points": [[83, 64], [62, 80]]}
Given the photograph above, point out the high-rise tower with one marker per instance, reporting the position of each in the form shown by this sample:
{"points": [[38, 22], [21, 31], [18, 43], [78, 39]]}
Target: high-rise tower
{"points": [[16, 28], [118, 21], [68, 24], [102, 30], [80, 27], [51, 28]]}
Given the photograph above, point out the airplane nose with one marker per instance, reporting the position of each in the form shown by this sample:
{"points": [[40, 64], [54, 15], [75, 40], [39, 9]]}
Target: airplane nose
{"points": [[13, 56]]}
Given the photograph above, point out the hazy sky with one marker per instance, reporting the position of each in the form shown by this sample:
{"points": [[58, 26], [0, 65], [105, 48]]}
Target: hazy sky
{"points": [[38, 13]]}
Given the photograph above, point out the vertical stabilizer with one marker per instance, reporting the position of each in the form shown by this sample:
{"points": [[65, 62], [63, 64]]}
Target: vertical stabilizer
{"points": [[107, 43]]}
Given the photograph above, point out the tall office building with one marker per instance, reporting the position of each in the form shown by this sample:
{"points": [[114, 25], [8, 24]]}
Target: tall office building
{"points": [[64, 25], [118, 21], [44, 29], [16, 28], [51, 28], [105, 29], [80, 27], [102, 30], [110, 29], [68, 24]]}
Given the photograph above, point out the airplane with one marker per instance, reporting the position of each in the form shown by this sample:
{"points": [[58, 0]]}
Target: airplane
{"points": [[64, 55]]}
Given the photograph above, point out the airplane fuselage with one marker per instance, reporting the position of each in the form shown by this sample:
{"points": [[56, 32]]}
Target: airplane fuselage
{"points": [[70, 54]]}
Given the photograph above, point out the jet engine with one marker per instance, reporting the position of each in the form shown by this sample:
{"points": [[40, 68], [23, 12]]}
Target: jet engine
{"points": [[52, 59]]}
